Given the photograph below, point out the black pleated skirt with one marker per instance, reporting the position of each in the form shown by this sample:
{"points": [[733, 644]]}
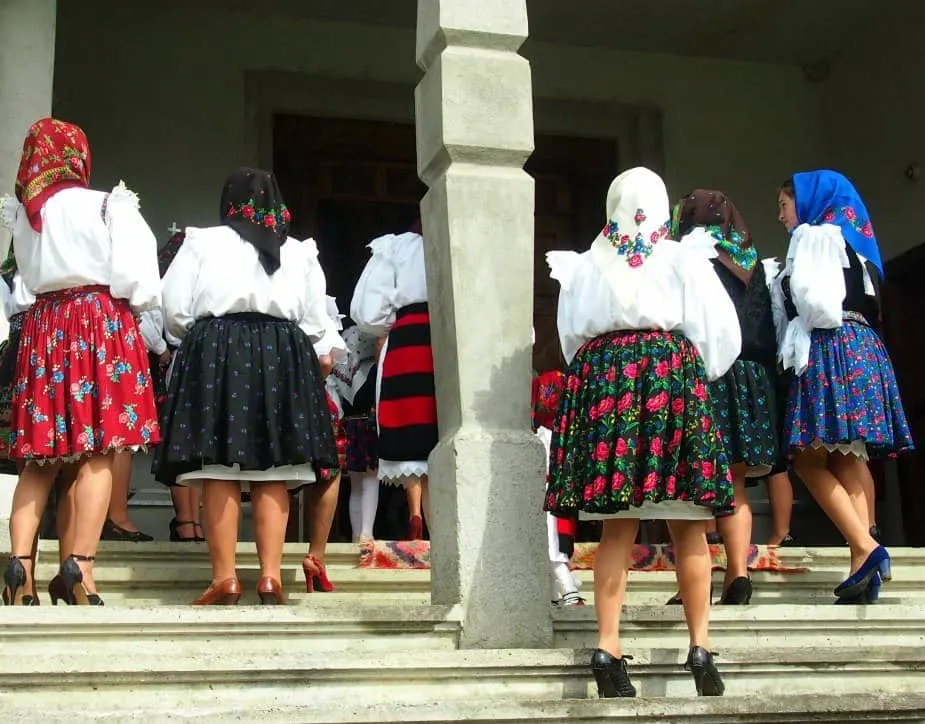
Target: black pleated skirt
{"points": [[246, 392]]}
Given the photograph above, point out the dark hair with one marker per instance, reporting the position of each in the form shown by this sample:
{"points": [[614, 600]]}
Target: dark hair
{"points": [[788, 189]]}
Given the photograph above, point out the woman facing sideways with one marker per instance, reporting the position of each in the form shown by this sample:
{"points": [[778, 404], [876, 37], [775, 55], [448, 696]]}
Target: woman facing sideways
{"points": [[843, 405]]}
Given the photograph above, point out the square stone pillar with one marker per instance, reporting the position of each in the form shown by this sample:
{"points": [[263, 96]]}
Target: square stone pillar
{"points": [[474, 114], [27, 63]]}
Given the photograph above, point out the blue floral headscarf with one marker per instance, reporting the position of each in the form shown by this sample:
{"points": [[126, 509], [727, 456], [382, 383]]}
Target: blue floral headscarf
{"points": [[828, 197]]}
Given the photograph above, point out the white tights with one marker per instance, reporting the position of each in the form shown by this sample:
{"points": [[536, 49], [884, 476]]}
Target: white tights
{"points": [[562, 580], [364, 500]]}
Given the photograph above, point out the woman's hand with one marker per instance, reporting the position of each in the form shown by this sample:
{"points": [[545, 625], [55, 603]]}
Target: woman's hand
{"points": [[164, 360], [326, 363], [380, 342]]}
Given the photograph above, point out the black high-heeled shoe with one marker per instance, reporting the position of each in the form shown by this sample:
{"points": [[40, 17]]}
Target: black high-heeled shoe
{"points": [[58, 591], [73, 579], [706, 676], [739, 592], [14, 592], [676, 600], [611, 676], [175, 532]]}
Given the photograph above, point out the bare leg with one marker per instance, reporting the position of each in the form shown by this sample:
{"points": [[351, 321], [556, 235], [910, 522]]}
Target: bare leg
{"points": [[270, 503], [323, 501], [29, 500], [780, 493], [611, 569], [425, 497], [91, 503], [414, 496], [692, 561], [812, 467], [736, 530], [66, 513], [186, 506], [121, 481], [854, 474], [222, 508]]}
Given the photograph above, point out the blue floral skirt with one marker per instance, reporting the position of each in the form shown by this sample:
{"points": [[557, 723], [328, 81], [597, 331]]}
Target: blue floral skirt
{"points": [[847, 394], [746, 416]]}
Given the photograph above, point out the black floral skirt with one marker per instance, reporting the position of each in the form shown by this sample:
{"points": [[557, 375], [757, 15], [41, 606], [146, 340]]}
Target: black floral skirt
{"points": [[635, 428], [746, 415], [246, 392]]}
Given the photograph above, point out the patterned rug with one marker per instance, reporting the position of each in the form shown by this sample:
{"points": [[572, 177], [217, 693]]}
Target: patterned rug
{"points": [[416, 555]]}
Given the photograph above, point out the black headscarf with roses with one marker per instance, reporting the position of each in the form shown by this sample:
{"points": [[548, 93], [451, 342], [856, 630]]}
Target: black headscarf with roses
{"points": [[253, 206]]}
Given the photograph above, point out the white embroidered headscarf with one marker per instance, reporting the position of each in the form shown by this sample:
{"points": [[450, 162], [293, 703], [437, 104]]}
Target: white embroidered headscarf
{"points": [[350, 374], [638, 218]]}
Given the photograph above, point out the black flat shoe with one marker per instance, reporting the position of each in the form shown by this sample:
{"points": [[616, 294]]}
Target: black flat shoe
{"points": [[739, 592], [676, 600], [111, 531], [175, 532], [611, 676], [706, 676]]}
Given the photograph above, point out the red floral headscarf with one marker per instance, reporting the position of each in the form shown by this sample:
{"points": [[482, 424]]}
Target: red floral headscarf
{"points": [[55, 156], [547, 389]]}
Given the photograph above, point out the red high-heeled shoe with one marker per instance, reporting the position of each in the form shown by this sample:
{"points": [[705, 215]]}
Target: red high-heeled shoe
{"points": [[316, 575]]}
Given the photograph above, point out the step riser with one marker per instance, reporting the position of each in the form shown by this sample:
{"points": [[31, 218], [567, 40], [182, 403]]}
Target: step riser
{"points": [[397, 687]]}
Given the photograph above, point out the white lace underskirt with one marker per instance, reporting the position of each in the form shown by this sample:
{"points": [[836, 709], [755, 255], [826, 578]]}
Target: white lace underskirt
{"points": [[857, 448], [666, 510], [295, 476], [401, 472]]}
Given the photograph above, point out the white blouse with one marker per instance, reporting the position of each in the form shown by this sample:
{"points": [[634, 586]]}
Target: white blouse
{"points": [[675, 290], [816, 262], [18, 300], [216, 272], [151, 326], [393, 278], [78, 247]]}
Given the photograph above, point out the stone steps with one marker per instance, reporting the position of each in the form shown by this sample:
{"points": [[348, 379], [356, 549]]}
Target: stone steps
{"points": [[226, 676], [799, 709], [146, 574]]}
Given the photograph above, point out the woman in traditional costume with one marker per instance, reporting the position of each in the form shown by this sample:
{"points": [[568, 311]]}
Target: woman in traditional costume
{"points": [[645, 325], [743, 398], [83, 389], [390, 300], [844, 405], [245, 408], [355, 381]]}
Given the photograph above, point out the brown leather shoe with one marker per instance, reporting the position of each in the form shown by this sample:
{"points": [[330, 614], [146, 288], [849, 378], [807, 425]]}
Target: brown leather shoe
{"points": [[226, 593], [271, 592]]}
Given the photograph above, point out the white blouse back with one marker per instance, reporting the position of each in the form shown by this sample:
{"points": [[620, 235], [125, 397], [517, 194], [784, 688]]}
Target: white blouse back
{"points": [[675, 290], [79, 246], [216, 273]]}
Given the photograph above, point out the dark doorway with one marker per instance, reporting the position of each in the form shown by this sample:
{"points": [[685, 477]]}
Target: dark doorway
{"points": [[348, 181], [903, 302]]}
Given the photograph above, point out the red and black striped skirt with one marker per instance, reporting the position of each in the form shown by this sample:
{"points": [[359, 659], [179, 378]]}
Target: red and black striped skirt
{"points": [[407, 409]]}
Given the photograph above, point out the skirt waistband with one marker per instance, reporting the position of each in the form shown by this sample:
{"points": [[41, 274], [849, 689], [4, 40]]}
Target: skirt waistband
{"points": [[247, 317], [72, 292], [855, 317]]}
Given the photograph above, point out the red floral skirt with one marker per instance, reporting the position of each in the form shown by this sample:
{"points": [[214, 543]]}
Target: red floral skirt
{"points": [[83, 385]]}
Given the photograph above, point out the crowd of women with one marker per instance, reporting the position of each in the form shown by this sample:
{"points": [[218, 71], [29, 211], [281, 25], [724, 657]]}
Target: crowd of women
{"points": [[694, 368]]}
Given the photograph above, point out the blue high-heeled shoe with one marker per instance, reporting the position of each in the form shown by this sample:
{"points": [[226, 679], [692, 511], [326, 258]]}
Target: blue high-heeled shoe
{"points": [[877, 562], [870, 595]]}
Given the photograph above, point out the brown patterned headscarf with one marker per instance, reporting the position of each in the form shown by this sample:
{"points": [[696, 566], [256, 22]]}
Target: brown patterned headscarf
{"points": [[713, 211]]}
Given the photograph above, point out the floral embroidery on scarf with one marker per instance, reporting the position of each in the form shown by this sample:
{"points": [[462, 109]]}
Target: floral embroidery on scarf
{"points": [[268, 217], [860, 225], [636, 248], [746, 258]]}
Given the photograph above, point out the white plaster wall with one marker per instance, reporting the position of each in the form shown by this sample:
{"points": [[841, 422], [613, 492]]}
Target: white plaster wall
{"points": [[162, 96], [874, 117]]}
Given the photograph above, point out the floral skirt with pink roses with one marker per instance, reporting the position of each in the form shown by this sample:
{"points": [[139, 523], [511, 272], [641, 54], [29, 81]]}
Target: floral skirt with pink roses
{"points": [[82, 385], [636, 433]]}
